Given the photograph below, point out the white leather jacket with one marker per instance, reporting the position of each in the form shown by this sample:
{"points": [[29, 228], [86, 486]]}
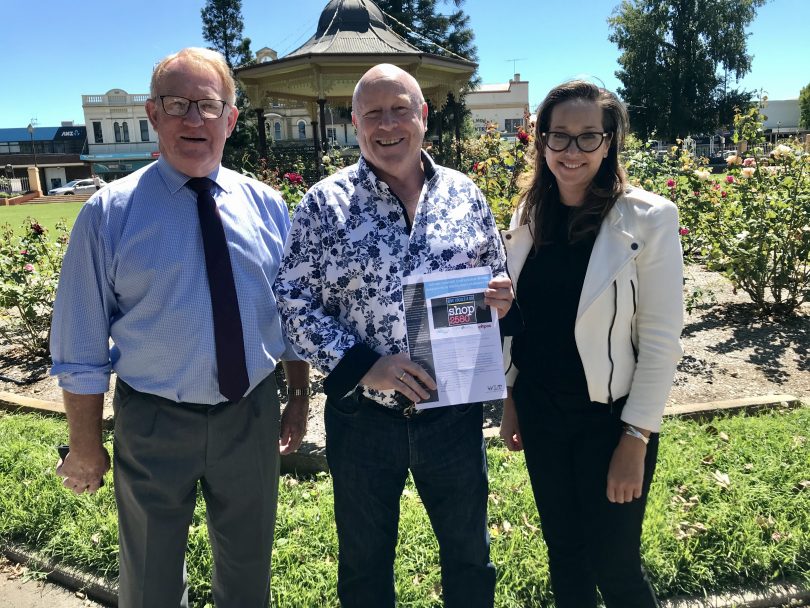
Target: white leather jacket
{"points": [[630, 313]]}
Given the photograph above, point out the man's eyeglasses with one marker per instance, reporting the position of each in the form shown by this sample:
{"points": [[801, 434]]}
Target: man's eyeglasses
{"points": [[587, 142], [179, 106]]}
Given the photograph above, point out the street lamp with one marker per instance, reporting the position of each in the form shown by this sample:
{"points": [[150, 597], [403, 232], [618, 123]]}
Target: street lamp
{"points": [[33, 148]]}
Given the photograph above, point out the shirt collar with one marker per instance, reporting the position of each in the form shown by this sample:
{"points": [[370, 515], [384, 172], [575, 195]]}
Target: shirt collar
{"points": [[365, 171], [175, 180]]}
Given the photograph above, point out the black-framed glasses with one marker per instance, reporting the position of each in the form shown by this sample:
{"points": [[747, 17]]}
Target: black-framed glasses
{"points": [[587, 142], [179, 106]]}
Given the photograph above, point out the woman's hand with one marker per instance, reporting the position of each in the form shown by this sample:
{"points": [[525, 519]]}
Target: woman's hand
{"points": [[626, 472], [510, 430], [500, 295]]}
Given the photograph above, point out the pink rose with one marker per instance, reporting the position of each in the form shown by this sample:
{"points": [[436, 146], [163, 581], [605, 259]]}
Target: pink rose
{"points": [[723, 194], [29, 268], [683, 231], [670, 183], [749, 162], [729, 179]]}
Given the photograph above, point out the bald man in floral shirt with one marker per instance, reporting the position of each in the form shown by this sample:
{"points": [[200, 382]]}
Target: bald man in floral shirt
{"points": [[354, 237]]}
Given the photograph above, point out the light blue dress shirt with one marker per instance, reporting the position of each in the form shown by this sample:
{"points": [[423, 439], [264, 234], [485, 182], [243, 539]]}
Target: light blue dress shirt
{"points": [[135, 272]]}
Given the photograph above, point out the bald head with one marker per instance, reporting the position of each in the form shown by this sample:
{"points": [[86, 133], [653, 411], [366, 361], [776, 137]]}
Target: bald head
{"points": [[396, 76]]}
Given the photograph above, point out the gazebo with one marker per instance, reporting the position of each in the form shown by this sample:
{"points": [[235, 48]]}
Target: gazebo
{"points": [[352, 36]]}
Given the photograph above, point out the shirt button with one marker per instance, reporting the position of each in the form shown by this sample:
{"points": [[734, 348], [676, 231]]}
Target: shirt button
{"points": [[508, 236], [634, 246]]}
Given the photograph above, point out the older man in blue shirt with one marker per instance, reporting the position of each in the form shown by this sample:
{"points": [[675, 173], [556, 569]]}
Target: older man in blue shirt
{"points": [[176, 263]]}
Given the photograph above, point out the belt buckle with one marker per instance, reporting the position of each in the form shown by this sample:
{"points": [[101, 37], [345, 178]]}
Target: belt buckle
{"points": [[410, 411]]}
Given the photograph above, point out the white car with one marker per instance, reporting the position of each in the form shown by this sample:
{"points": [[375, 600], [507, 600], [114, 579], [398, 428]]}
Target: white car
{"points": [[77, 186]]}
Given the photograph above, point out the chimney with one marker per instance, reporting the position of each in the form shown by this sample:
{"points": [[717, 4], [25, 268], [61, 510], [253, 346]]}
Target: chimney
{"points": [[516, 78]]}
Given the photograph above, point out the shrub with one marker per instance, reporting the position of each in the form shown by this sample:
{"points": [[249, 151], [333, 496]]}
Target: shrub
{"points": [[498, 167], [760, 234], [29, 267], [752, 222], [290, 184]]}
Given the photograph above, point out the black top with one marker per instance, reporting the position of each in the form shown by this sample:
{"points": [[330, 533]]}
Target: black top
{"points": [[548, 295]]}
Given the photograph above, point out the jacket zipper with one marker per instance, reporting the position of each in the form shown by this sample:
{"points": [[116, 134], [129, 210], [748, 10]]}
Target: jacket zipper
{"points": [[610, 346], [633, 344]]}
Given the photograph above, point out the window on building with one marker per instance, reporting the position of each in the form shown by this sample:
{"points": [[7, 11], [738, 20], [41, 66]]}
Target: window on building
{"points": [[117, 132], [97, 134], [126, 131], [302, 130], [511, 125], [144, 130], [331, 135], [277, 131]]}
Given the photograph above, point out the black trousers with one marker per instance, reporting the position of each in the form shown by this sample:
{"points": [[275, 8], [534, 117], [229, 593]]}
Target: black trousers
{"points": [[592, 543]]}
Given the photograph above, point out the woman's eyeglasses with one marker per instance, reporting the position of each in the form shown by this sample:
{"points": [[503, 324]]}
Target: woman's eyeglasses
{"points": [[559, 141]]}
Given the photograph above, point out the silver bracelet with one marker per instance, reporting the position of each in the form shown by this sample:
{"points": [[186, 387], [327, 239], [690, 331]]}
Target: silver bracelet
{"points": [[629, 429], [299, 392]]}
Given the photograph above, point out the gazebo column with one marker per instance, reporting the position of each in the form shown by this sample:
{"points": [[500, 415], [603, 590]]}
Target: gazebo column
{"points": [[322, 118], [315, 140], [457, 117], [262, 133]]}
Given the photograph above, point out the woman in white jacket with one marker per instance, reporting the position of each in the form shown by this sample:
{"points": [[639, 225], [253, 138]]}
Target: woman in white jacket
{"points": [[597, 270]]}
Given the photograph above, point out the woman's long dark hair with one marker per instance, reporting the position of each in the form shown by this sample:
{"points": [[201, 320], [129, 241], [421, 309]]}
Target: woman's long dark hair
{"points": [[542, 199]]}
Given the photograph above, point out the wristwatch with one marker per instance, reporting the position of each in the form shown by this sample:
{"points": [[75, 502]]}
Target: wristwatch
{"points": [[299, 392], [629, 429]]}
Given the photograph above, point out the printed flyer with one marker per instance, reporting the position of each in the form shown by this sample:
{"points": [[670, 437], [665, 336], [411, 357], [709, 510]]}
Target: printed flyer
{"points": [[455, 336]]}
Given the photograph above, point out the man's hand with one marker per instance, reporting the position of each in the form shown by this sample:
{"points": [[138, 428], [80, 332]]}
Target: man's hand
{"points": [[399, 373], [87, 461], [510, 430], [499, 294], [293, 425], [83, 468], [626, 472]]}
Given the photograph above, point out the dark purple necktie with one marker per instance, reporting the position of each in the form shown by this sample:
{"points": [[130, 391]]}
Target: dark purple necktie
{"points": [[230, 345]]}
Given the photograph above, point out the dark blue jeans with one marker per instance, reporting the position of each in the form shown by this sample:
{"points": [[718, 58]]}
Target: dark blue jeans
{"points": [[370, 450], [592, 543]]}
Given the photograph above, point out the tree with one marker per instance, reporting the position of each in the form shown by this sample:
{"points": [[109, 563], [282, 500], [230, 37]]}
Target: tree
{"points": [[222, 29], [804, 107], [676, 61], [420, 23]]}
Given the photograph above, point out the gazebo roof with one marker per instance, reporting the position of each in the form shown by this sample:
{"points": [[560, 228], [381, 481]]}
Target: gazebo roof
{"points": [[352, 36]]}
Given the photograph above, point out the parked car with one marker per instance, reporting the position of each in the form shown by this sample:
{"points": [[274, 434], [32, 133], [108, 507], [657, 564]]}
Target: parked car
{"points": [[77, 186]]}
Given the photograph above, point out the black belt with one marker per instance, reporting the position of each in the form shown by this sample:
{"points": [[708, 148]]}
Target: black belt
{"points": [[404, 408]]}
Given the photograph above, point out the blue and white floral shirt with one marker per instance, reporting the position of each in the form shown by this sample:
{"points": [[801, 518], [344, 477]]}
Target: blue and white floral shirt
{"points": [[339, 287]]}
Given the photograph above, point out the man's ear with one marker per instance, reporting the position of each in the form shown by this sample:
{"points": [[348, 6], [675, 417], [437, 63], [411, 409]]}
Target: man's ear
{"points": [[233, 114], [151, 112], [354, 120]]}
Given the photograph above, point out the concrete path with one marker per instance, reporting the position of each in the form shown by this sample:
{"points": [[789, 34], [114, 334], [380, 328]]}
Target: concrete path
{"points": [[18, 591]]}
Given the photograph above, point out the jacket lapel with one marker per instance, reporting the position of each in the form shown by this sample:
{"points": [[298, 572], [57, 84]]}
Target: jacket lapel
{"points": [[613, 249]]}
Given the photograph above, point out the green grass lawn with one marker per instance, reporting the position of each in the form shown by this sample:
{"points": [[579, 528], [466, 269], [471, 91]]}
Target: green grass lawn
{"points": [[730, 508], [46, 214]]}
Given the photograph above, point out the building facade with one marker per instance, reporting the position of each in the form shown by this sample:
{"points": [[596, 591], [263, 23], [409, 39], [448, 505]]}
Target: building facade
{"points": [[120, 139], [504, 105], [54, 151]]}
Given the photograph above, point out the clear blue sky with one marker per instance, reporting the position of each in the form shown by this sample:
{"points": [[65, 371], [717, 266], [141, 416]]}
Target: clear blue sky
{"points": [[54, 51]]}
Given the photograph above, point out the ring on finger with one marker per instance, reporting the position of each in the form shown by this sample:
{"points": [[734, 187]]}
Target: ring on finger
{"points": [[402, 377]]}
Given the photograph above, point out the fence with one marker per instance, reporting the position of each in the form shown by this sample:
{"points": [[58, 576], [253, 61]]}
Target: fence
{"points": [[14, 185]]}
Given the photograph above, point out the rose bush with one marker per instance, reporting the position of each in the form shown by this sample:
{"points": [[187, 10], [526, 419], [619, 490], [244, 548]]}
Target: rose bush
{"points": [[752, 222], [29, 267], [498, 167]]}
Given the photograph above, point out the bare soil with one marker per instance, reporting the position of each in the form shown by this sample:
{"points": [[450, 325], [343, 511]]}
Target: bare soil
{"points": [[730, 352]]}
